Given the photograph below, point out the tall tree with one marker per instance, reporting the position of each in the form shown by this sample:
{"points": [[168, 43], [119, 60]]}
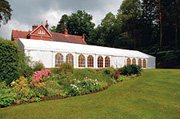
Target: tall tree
{"points": [[80, 23], [170, 10], [174, 18], [129, 14], [150, 23], [110, 29], [62, 24], [5, 12]]}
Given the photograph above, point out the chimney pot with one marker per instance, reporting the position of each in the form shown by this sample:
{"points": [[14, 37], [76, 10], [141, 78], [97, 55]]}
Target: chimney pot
{"points": [[65, 31], [34, 27], [47, 25], [83, 37]]}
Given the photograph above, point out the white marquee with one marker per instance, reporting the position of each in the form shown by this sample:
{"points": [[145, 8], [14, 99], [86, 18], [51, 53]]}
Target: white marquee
{"points": [[46, 51]]}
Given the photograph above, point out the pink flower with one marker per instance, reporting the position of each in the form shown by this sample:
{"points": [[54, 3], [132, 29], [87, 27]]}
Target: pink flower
{"points": [[61, 90]]}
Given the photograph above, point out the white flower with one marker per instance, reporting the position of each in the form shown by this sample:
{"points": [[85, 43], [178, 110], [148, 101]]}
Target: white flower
{"points": [[13, 82]]}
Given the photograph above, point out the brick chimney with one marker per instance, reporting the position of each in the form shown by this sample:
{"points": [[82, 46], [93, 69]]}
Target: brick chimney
{"points": [[34, 27], [65, 31], [47, 25], [83, 37]]}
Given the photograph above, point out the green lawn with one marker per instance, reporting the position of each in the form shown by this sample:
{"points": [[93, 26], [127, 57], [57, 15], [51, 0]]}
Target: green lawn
{"points": [[154, 95]]}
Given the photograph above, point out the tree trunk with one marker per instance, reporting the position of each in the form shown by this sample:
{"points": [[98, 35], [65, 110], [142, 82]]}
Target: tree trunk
{"points": [[176, 37], [160, 23]]}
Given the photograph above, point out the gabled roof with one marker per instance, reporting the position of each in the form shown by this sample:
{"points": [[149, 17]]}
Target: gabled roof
{"points": [[55, 37], [38, 28]]}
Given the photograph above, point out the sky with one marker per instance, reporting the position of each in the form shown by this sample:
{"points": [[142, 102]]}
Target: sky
{"points": [[29, 12]]}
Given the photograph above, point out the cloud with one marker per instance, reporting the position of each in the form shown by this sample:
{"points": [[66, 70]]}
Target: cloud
{"points": [[28, 12]]}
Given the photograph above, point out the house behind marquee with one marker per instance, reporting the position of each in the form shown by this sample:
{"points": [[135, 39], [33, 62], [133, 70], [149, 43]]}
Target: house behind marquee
{"points": [[52, 49]]}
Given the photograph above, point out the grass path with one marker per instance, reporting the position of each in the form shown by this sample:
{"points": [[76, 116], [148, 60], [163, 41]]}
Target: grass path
{"points": [[154, 95]]}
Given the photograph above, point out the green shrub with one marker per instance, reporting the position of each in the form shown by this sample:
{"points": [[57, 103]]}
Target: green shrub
{"points": [[24, 69], [43, 91], [8, 61], [130, 69], [115, 75], [108, 71], [64, 68], [167, 59], [38, 66], [7, 96]]}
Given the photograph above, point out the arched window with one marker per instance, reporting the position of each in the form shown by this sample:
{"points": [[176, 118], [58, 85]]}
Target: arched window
{"points": [[70, 59], [58, 59], [81, 61], [107, 61], [100, 61], [144, 63], [90, 61], [140, 62], [133, 61], [128, 61]]}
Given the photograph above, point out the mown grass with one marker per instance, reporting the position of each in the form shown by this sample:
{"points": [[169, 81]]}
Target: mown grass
{"points": [[154, 95]]}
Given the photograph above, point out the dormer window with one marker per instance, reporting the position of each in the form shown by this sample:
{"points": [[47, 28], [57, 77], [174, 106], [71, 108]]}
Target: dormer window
{"points": [[41, 32]]}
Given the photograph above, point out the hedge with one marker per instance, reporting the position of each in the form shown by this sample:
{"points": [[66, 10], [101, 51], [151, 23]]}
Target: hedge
{"points": [[8, 60]]}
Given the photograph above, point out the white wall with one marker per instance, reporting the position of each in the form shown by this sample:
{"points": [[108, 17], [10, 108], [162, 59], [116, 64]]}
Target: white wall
{"points": [[45, 57], [48, 59], [151, 63], [117, 62]]}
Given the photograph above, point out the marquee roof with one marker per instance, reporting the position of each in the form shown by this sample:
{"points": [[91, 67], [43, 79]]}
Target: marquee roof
{"points": [[30, 44]]}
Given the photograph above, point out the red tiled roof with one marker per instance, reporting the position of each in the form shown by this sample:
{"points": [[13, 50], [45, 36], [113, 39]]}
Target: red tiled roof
{"points": [[19, 34], [67, 38], [55, 37]]}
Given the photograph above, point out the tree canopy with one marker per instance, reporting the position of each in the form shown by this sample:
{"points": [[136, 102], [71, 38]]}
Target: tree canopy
{"points": [[5, 12], [78, 23]]}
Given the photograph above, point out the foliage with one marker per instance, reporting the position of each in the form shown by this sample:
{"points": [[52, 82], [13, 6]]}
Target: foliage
{"points": [[85, 86], [38, 66], [77, 24], [62, 23], [54, 89], [130, 69], [24, 69], [168, 59], [22, 90], [65, 68], [5, 12], [9, 61], [37, 78], [115, 75], [53, 29], [7, 96], [108, 71]]}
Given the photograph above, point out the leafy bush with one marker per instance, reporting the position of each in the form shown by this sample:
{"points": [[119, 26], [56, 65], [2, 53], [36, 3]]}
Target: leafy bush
{"points": [[115, 75], [22, 90], [7, 96], [37, 78], [9, 61], [108, 71], [66, 68], [168, 59], [38, 66], [130, 69], [24, 69], [83, 87]]}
